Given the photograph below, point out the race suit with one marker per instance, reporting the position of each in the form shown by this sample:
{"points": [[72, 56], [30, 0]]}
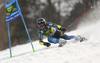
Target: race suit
{"points": [[53, 33]]}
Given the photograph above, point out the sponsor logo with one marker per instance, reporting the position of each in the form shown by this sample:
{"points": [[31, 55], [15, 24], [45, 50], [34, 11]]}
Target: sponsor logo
{"points": [[48, 32], [13, 17], [11, 9]]}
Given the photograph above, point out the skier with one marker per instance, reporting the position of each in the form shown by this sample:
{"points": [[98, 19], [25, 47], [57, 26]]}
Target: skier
{"points": [[54, 32]]}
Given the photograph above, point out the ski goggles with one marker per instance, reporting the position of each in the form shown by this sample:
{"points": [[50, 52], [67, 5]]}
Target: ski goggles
{"points": [[40, 22], [41, 25]]}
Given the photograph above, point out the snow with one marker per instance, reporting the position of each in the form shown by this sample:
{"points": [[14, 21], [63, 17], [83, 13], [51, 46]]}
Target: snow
{"points": [[65, 6], [72, 52]]}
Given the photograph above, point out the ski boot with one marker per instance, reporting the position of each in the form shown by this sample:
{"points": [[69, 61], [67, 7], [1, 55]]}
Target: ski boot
{"points": [[62, 42], [81, 39]]}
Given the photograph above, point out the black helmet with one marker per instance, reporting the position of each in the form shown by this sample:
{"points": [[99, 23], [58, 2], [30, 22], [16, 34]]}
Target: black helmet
{"points": [[41, 22]]}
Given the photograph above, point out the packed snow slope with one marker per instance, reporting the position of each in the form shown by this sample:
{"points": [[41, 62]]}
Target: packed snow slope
{"points": [[72, 52]]}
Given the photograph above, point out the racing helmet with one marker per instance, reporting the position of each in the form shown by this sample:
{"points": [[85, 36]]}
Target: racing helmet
{"points": [[41, 22]]}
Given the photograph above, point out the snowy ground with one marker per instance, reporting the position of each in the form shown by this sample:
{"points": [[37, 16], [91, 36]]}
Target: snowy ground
{"points": [[72, 52]]}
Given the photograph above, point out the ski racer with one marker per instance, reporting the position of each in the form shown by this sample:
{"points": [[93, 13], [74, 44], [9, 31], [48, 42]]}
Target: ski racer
{"points": [[54, 32]]}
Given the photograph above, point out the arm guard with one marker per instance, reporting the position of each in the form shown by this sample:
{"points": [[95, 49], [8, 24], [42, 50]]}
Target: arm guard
{"points": [[40, 36], [54, 25], [59, 27]]}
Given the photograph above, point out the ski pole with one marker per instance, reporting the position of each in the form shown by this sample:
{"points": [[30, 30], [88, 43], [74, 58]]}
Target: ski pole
{"points": [[79, 18]]}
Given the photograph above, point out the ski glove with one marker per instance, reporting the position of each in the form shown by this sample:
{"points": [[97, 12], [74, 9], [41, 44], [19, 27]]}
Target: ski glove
{"points": [[61, 28], [45, 44]]}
